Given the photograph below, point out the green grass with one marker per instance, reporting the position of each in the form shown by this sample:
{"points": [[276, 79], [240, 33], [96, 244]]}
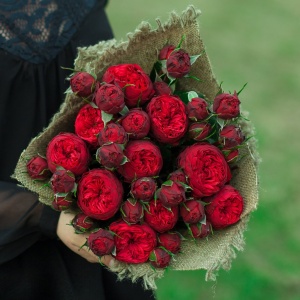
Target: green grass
{"points": [[256, 42]]}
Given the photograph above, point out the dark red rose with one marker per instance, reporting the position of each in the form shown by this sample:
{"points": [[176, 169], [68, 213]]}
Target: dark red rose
{"points": [[159, 258], [170, 240], [205, 167], [101, 242], [110, 155], [69, 151], [109, 98], [199, 131], [197, 109], [224, 208], [171, 193], [159, 217], [82, 223], [137, 85], [88, 124], [82, 84], [99, 194], [134, 243], [165, 52], [227, 106], [231, 136], [61, 203], [178, 176], [37, 168], [112, 133], [132, 211], [136, 123], [143, 189], [199, 230], [231, 156], [62, 181], [145, 160], [192, 211], [178, 64], [161, 88], [168, 118]]}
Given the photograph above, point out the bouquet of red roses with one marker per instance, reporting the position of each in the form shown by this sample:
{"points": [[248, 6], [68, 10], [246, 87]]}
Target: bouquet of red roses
{"points": [[151, 153]]}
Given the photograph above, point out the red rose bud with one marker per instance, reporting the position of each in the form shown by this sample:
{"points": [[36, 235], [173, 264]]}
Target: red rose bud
{"points": [[112, 133], [199, 131], [231, 136], [144, 160], [159, 217], [68, 151], [134, 243], [37, 168], [99, 194], [227, 106], [197, 109], [159, 258], [178, 176], [136, 123], [88, 123], [110, 155], [161, 88], [83, 84], [170, 240], [143, 189], [168, 118], [200, 230], [206, 169], [101, 242], [137, 85], [171, 193], [62, 181], [224, 208], [192, 211], [165, 52], [109, 98], [61, 203], [82, 223], [231, 156], [178, 64], [132, 211]]}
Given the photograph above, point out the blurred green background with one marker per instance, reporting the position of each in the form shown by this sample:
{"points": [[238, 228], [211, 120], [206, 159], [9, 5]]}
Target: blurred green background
{"points": [[257, 42]]}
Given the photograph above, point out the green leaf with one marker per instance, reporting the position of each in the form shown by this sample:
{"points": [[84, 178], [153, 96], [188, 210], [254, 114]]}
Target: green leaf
{"points": [[193, 58], [192, 95], [124, 111], [106, 117], [180, 42], [93, 104], [125, 160], [168, 183], [242, 88]]}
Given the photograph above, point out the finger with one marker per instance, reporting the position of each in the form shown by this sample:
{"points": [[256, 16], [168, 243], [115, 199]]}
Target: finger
{"points": [[108, 260]]}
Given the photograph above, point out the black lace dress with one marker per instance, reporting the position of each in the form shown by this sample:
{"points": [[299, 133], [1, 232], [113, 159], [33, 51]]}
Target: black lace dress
{"points": [[37, 37]]}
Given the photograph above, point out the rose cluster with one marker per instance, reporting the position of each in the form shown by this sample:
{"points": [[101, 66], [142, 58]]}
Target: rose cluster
{"points": [[146, 164]]}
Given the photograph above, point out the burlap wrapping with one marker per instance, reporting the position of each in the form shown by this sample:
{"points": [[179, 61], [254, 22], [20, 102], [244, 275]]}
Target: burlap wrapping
{"points": [[141, 48]]}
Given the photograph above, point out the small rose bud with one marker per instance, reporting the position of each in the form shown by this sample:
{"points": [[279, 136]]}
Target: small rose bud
{"points": [[37, 168], [165, 52], [170, 240], [171, 193], [231, 136], [101, 242], [159, 258], [62, 181], [199, 230], [197, 109], [192, 211], [178, 64], [231, 156], [83, 84], [161, 88], [178, 176], [112, 133], [82, 223], [143, 189], [62, 203], [132, 211], [199, 131], [227, 106], [110, 155]]}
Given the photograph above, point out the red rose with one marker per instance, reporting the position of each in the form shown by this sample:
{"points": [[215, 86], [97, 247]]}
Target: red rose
{"points": [[159, 258], [88, 124], [110, 155], [192, 211], [168, 118], [112, 133], [227, 106], [145, 160], [178, 64], [224, 208], [37, 168], [62, 181], [159, 217], [136, 123], [137, 85], [197, 109], [143, 189], [82, 223], [178, 176], [200, 230], [134, 243], [165, 52], [101, 242], [170, 240], [68, 151], [231, 136], [109, 98], [132, 211], [161, 88], [205, 167], [82, 84], [199, 131], [171, 193], [231, 156], [99, 194], [61, 203]]}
